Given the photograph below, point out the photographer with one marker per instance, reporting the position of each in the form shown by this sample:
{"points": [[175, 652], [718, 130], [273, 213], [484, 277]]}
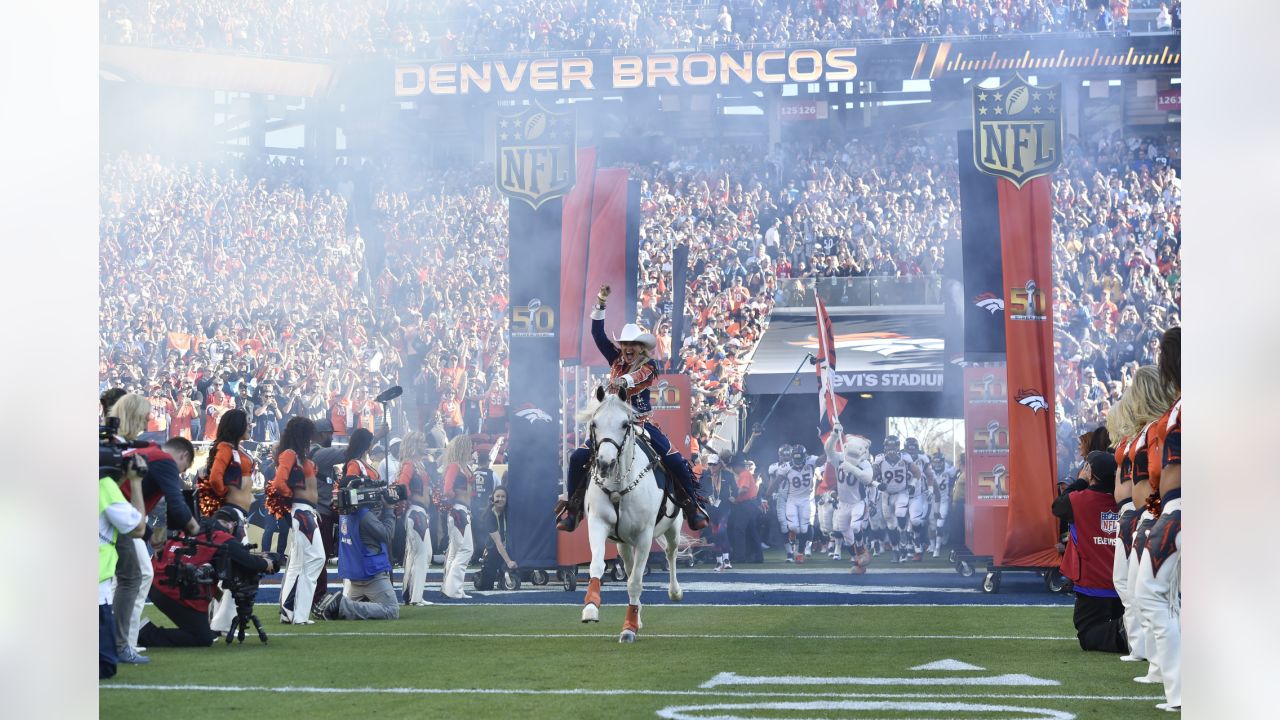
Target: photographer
{"points": [[186, 572], [364, 533], [1089, 506], [160, 469], [116, 516], [493, 526]]}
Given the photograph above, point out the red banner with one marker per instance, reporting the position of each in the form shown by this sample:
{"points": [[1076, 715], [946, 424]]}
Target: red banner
{"points": [[986, 426], [671, 396], [575, 232], [1025, 234], [607, 256], [1170, 99]]}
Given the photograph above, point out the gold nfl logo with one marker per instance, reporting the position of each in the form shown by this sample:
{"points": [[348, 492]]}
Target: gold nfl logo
{"points": [[536, 154], [1017, 130]]}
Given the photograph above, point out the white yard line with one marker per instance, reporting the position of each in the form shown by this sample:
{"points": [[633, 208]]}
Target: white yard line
{"points": [[1014, 680], [703, 636], [609, 692]]}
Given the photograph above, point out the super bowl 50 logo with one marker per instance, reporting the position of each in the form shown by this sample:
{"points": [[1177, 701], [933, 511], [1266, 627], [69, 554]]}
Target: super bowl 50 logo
{"points": [[665, 396], [994, 483], [1028, 302], [991, 440], [533, 320], [990, 390]]}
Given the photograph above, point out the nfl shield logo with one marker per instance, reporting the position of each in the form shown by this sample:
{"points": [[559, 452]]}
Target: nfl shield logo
{"points": [[1017, 130], [536, 154]]}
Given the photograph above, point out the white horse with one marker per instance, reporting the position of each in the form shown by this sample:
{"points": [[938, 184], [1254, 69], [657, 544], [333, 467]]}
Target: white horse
{"points": [[622, 504]]}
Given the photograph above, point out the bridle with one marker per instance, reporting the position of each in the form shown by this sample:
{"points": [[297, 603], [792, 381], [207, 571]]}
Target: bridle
{"points": [[625, 448]]}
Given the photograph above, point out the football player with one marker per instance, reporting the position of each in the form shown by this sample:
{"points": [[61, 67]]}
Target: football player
{"points": [[893, 473], [799, 499], [944, 477], [778, 489], [920, 489]]}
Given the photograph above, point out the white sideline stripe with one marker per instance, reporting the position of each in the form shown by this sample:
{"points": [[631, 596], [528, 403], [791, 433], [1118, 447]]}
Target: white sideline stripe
{"points": [[1015, 679], [696, 712], [686, 603], [611, 692], [703, 636]]}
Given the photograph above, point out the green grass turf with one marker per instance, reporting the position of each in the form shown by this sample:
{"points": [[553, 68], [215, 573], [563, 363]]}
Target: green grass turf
{"points": [[862, 641]]}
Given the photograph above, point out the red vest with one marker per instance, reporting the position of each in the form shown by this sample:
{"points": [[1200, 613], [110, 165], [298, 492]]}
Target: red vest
{"points": [[167, 557], [1092, 548]]}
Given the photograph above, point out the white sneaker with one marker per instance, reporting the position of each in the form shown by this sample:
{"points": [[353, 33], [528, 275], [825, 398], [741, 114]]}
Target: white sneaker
{"points": [[1148, 680], [421, 603], [835, 556], [1131, 658], [728, 565]]}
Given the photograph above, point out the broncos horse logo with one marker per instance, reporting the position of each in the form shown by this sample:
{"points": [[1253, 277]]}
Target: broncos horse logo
{"points": [[990, 302], [534, 415], [1032, 399]]}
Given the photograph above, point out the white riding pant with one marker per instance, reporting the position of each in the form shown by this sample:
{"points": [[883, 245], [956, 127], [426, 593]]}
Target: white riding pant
{"points": [[918, 509], [417, 552], [1158, 594], [306, 561], [1120, 579], [1142, 625], [455, 563]]}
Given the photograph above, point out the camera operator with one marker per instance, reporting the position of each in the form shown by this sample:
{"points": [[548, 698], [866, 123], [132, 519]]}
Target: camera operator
{"points": [[160, 469], [116, 517], [364, 534], [1089, 506], [185, 600], [492, 525]]}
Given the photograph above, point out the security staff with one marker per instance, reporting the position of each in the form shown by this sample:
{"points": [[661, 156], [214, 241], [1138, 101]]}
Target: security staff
{"points": [[1090, 507]]}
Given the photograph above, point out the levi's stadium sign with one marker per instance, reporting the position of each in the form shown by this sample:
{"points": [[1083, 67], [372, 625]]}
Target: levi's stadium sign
{"points": [[585, 73]]}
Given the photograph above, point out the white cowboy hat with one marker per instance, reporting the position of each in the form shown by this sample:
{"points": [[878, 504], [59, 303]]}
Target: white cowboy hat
{"points": [[632, 333]]}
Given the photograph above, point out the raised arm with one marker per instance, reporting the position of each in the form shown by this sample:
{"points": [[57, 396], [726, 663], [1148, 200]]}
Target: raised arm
{"points": [[603, 343]]}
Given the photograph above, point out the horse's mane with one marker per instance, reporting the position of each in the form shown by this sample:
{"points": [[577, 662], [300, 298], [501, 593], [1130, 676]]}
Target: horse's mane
{"points": [[589, 413]]}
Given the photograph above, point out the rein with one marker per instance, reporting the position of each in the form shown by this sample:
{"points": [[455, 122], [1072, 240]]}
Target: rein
{"points": [[626, 449]]}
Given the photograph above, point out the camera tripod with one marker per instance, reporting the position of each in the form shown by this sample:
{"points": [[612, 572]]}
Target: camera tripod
{"points": [[244, 614]]}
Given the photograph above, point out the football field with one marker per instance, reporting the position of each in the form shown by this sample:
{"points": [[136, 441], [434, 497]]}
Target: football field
{"points": [[769, 642]]}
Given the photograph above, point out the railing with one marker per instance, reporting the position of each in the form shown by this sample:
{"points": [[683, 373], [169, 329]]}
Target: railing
{"points": [[859, 291]]}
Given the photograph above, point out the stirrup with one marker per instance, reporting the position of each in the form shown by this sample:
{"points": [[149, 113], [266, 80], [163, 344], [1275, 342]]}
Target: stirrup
{"points": [[568, 523]]}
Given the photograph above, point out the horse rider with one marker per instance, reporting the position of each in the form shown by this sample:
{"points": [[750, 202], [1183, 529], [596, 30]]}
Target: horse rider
{"points": [[632, 368]]}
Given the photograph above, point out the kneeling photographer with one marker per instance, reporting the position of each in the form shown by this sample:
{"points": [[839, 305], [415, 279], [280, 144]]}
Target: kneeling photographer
{"points": [[188, 571], [366, 523]]}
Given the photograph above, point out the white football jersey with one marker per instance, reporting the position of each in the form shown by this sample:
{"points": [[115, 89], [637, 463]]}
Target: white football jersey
{"points": [[894, 475], [798, 482]]}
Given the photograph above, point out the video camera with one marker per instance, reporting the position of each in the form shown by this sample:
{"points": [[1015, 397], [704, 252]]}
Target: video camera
{"points": [[112, 461], [361, 492], [199, 580]]}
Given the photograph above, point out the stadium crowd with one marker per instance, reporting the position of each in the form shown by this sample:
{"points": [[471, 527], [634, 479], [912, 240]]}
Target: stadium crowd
{"points": [[413, 28], [301, 328], [1117, 268]]}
